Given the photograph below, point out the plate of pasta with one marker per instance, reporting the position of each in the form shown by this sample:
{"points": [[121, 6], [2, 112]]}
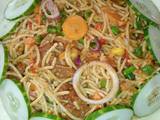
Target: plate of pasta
{"points": [[79, 59]]}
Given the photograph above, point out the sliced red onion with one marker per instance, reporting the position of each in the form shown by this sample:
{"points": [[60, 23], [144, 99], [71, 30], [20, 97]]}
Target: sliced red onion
{"points": [[48, 5], [97, 45], [114, 78], [78, 61]]}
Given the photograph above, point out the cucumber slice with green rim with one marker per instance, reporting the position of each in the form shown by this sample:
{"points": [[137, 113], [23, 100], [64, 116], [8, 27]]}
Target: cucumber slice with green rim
{"points": [[18, 8], [154, 116], [152, 36], [147, 100], [44, 116], [116, 112], [146, 9], [157, 3], [6, 26], [3, 62], [3, 112], [14, 100]]}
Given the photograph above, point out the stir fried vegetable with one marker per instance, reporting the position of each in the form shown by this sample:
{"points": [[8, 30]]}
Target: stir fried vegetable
{"points": [[138, 52], [148, 69], [38, 39], [117, 51], [102, 83], [54, 29], [87, 14], [128, 72], [115, 30]]}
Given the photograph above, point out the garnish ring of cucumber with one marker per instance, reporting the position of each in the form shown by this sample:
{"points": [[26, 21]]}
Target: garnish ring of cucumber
{"points": [[112, 112], [44, 116], [18, 8], [147, 100], [15, 100], [146, 9], [6, 26], [152, 36]]}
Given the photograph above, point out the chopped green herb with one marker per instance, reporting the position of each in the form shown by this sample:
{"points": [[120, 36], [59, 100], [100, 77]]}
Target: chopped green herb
{"points": [[128, 72], [138, 52], [59, 28], [148, 69], [129, 69], [119, 91], [63, 16], [44, 18], [130, 76], [93, 44], [81, 41], [115, 30], [55, 29], [102, 83], [52, 29], [138, 23], [38, 39], [87, 14]]}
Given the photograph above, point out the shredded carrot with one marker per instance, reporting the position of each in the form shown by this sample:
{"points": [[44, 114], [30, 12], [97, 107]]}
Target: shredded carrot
{"points": [[126, 56], [38, 19], [110, 60], [38, 16], [99, 26], [34, 69], [32, 61], [32, 58], [37, 9], [21, 66], [29, 23], [96, 96], [113, 16], [30, 41]]}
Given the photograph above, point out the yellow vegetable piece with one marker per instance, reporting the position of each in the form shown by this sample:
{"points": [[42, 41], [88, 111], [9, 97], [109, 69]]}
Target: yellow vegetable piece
{"points": [[75, 27], [74, 53], [117, 51]]}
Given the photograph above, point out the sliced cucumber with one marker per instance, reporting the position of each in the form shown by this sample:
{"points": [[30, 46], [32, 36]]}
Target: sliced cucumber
{"points": [[6, 26], [18, 8], [14, 100], [146, 9], [3, 62], [44, 116], [154, 116], [152, 35], [3, 112], [147, 100], [157, 3], [116, 112]]}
